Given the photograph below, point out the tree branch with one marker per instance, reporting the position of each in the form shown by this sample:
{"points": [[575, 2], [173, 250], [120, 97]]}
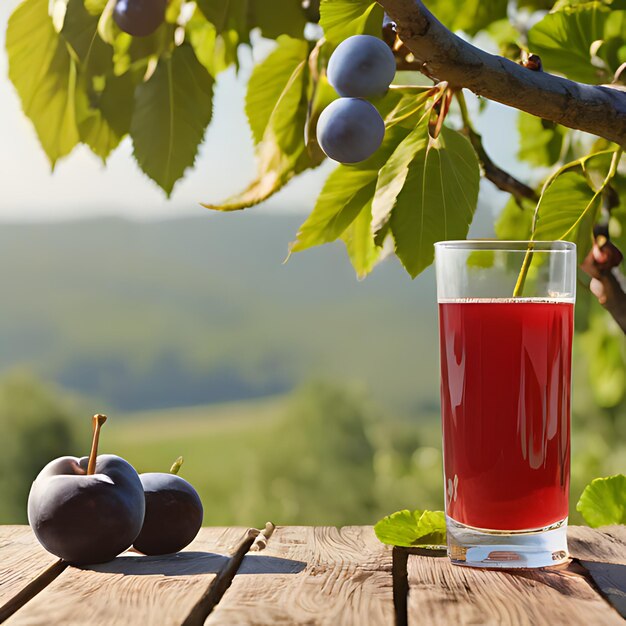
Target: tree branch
{"points": [[501, 179], [607, 282], [610, 293], [599, 110]]}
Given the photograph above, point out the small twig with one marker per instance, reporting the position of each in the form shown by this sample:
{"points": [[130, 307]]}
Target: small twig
{"points": [[220, 584], [260, 543], [501, 179]]}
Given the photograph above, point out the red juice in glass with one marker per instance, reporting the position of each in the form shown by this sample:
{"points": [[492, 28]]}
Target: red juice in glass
{"points": [[506, 312], [505, 395]]}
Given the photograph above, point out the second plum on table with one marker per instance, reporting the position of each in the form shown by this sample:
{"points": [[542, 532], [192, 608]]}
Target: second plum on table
{"points": [[173, 514]]}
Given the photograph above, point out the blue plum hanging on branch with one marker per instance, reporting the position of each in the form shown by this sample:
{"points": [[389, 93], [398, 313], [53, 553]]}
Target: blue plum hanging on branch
{"points": [[139, 18], [350, 130], [362, 66]]}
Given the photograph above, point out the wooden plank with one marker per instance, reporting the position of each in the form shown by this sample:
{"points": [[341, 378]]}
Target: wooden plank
{"points": [[22, 559], [602, 552], [134, 589], [440, 593], [313, 576], [606, 544]]}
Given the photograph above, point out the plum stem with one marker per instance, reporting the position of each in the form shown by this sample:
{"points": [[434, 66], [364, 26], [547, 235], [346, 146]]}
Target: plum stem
{"points": [[97, 421], [176, 465]]}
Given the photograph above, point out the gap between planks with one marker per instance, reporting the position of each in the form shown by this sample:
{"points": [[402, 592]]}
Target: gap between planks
{"points": [[590, 589], [175, 589], [39, 583], [312, 576], [220, 584], [421, 587]]}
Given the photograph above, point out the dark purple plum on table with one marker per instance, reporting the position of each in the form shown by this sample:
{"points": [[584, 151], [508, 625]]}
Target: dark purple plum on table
{"points": [[87, 510], [139, 18], [350, 130], [173, 514], [362, 66], [86, 518]]}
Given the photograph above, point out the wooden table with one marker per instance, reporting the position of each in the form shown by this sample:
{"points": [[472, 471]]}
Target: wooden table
{"points": [[307, 575]]}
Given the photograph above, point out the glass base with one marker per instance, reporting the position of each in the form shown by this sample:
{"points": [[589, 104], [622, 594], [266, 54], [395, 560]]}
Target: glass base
{"points": [[477, 547]]}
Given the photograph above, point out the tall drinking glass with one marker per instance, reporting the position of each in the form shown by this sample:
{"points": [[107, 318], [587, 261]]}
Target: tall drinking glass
{"points": [[506, 312]]}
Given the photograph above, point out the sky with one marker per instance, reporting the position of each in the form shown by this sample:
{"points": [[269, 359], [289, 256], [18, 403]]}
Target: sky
{"points": [[82, 187]]}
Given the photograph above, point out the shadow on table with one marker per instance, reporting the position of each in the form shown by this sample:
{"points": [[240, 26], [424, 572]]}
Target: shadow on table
{"points": [[190, 563], [261, 564], [610, 578]]}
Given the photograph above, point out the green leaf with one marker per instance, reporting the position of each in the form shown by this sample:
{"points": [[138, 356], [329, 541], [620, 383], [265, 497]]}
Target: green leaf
{"points": [[44, 75], [323, 94], [172, 111], [346, 192], [95, 7], [215, 51], [80, 30], [227, 15], [362, 250], [234, 19], [603, 502], [279, 17], [270, 82], [564, 39], [274, 170], [559, 5], [135, 53], [95, 81], [426, 192], [567, 210], [117, 101], [475, 15], [341, 19], [515, 222], [281, 153], [541, 142], [409, 109], [173, 10], [104, 118], [412, 528], [617, 223]]}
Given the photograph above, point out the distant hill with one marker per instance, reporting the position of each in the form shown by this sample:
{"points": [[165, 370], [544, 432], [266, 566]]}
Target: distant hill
{"points": [[202, 310]]}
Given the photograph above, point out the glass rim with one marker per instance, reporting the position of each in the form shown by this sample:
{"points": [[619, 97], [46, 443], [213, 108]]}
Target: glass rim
{"points": [[506, 245]]}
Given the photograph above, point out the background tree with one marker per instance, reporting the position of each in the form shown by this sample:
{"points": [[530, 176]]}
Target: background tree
{"points": [[36, 426], [82, 80]]}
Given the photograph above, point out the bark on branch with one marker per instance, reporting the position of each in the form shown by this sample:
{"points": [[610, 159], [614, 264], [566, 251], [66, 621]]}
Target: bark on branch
{"points": [[599, 110]]}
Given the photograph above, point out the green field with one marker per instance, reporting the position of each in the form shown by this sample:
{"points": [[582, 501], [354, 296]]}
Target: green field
{"points": [[320, 455], [323, 454], [219, 444]]}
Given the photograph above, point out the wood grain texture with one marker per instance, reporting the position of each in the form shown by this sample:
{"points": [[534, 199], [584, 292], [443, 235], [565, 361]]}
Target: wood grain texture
{"points": [[313, 576], [440, 593], [134, 589], [602, 553], [606, 544], [21, 560]]}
